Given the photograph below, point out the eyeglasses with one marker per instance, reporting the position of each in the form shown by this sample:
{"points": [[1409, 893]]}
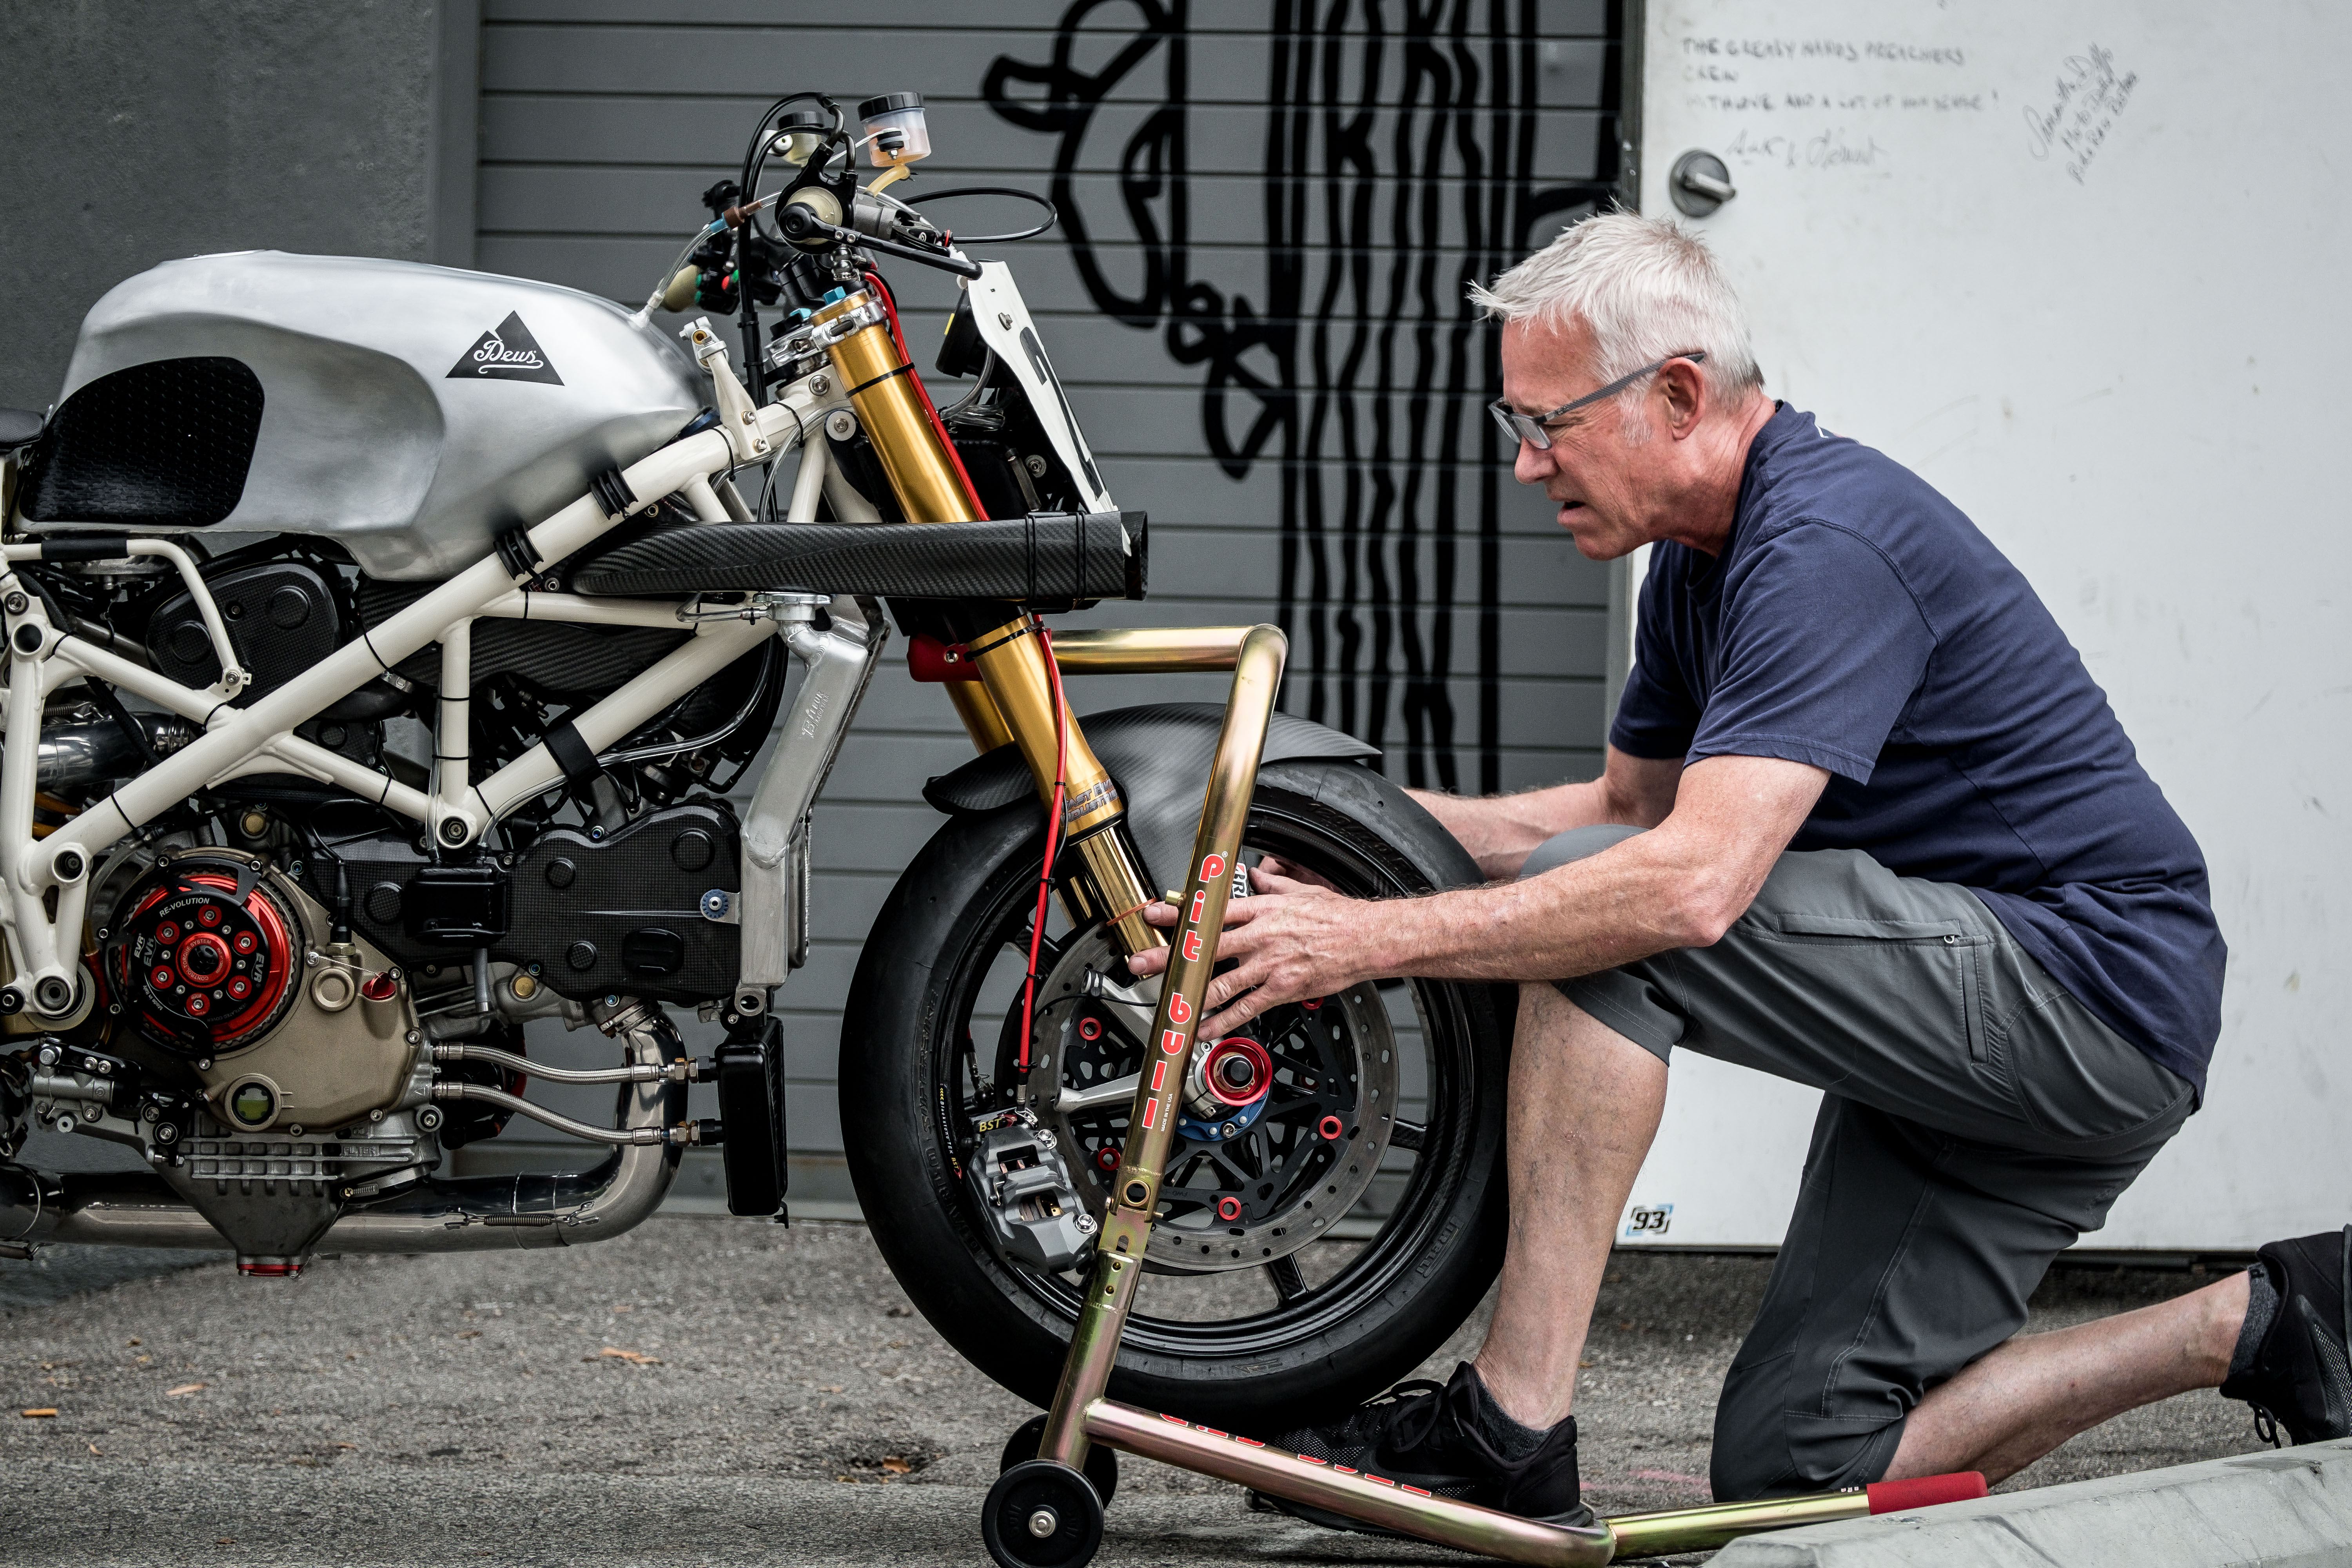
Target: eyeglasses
{"points": [[1531, 427]]}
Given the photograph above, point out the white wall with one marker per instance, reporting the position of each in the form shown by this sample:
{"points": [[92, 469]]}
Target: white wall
{"points": [[2081, 266]]}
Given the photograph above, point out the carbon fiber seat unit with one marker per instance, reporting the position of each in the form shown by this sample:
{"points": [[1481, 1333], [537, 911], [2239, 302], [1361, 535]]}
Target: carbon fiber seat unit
{"points": [[1043, 557]]}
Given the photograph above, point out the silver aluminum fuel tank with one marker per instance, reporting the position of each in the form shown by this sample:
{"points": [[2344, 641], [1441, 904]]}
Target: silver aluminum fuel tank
{"points": [[411, 412]]}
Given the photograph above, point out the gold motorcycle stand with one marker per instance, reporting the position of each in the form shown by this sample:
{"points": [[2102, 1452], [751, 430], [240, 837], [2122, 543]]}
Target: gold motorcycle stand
{"points": [[1045, 1512]]}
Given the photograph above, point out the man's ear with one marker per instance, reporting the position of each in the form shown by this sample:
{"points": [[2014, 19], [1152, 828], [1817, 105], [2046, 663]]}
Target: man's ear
{"points": [[1687, 394]]}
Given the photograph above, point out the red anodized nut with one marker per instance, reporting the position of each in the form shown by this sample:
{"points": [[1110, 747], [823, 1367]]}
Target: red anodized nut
{"points": [[1229, 1208], [1330, 1128], [1107, 1157], [380, 986], [1090, 1028], [204, 959], [1216, 1063]]}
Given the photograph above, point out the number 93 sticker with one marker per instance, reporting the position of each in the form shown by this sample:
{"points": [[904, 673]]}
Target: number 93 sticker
{"points": [[1647, 1222]]}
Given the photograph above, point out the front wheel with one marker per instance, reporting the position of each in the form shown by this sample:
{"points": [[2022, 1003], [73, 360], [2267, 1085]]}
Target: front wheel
{"points": [[1316, 1243]]}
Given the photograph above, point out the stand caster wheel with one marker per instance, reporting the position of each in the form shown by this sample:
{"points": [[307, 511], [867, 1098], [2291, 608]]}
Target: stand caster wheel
{"points": [[1042, 1515], [1102, 1464]]}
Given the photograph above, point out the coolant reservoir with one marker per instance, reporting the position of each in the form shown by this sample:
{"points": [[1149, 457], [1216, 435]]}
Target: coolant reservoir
{"points": [[896, 118]]}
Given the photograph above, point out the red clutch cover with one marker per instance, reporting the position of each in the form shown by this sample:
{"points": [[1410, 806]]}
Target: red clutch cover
{"points": [[205, 960]]}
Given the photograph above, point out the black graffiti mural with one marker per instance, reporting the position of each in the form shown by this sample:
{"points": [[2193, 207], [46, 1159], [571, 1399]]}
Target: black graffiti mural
{"points": [[1400, 164]]}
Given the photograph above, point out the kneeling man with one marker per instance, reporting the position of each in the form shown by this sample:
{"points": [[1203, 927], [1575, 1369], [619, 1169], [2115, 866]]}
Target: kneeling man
{"points": [[1865, 823]]}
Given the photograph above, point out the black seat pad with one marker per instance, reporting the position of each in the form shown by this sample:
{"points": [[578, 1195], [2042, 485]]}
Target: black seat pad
{"points": [[18, 427], [1043, 556]]}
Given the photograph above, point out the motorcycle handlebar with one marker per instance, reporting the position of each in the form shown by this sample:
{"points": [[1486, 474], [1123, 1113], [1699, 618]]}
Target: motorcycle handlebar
{"points": [[800, 223]]}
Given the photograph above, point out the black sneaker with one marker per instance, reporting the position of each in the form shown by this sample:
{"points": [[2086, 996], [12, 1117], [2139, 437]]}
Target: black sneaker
{"points": [[2302, 1376], [1425, 1435]]}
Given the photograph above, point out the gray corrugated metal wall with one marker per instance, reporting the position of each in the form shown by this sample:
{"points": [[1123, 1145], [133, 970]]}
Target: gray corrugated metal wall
{"points": [[1270, 208]]}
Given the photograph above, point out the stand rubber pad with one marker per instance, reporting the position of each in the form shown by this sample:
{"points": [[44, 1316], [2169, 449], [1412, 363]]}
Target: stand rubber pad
{"points": [[1924, 1491]]}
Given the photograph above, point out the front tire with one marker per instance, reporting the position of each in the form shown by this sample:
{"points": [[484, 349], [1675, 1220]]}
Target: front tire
{"points": [[1351, 1312]]}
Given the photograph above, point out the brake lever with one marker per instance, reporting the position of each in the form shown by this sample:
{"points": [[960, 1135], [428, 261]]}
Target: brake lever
{"points": [[801, 224]]}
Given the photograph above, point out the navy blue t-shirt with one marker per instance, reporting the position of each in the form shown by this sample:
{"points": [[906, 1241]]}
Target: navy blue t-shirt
{"points": [[1858, 621]]}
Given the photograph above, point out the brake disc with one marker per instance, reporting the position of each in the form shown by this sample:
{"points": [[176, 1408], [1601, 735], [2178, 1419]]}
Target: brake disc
{"points": [[1251, 1184]]}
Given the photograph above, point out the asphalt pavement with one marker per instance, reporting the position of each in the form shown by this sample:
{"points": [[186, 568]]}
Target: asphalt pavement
{"points": [[712, 1390]]}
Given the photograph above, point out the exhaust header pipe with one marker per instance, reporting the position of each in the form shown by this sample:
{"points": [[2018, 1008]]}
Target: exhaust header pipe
{"points": [[76, 756]]}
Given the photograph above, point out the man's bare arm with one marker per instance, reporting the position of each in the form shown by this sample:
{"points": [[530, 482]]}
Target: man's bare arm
{"points": [[1501, 831], [1680, 885]]}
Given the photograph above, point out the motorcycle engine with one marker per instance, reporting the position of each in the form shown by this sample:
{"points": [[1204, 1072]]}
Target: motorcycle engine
{"points": [[269, 1059], [219, 962]]}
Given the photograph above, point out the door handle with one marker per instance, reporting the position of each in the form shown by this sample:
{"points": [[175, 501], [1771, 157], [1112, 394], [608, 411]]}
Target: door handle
{"points": [[1699, 183]]}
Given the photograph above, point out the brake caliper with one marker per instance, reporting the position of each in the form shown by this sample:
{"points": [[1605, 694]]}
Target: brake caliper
{"points": [[1024, 1187]]}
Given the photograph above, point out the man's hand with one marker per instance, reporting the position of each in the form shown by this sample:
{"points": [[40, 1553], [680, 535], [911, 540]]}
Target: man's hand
{"points": [[1680, 885], [1296, 937]]}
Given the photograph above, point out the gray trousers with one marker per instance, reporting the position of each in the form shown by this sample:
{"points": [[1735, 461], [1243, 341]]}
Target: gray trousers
{"points": [[1976, 1120]]}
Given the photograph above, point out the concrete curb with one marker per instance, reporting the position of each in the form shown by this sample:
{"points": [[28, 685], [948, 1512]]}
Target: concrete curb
{"points": [[2284, 1509]]}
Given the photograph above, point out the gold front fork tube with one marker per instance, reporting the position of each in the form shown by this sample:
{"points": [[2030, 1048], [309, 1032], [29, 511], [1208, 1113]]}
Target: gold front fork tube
{"points": [[1015, 698], [978, 713], [1159, 1088]]}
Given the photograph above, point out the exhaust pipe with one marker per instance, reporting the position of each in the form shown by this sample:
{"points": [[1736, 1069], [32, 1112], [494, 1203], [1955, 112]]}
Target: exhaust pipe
{"points": [[76, 756], [475, 1214]]}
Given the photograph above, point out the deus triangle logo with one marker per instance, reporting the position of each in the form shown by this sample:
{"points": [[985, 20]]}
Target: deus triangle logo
{"points": [[506, 353]]}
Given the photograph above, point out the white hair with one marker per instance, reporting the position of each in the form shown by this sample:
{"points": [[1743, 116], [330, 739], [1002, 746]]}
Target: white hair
{"points": [[1647, 288]]}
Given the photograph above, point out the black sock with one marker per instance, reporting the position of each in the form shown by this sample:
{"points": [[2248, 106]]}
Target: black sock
{"points": [[1503, 1433], [2262, 1305]]}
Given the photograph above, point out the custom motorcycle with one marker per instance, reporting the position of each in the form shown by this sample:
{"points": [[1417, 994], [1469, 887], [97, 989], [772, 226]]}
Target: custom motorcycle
{"points": [[389, 651]]}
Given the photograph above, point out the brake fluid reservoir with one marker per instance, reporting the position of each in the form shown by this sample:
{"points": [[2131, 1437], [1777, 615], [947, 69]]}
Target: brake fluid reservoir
{"points": [[798, 136], [898, 132]]}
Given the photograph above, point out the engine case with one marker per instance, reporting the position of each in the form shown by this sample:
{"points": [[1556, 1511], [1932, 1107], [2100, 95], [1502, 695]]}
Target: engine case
{"points": [[647, 911], [221, 961], [413, 413], [282, 617], [623, 913]]}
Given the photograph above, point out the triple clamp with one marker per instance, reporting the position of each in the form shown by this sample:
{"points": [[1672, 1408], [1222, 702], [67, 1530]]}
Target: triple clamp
{"points": [[816, 336]]}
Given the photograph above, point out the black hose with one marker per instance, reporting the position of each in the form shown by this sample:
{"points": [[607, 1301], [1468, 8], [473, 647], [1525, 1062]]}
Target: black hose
{"points": [[1053, 214]]}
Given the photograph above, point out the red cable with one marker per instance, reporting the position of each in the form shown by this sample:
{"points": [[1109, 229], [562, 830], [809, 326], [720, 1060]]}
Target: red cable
{"points": [[1053, 676], [890, 309], [1053, 836]]}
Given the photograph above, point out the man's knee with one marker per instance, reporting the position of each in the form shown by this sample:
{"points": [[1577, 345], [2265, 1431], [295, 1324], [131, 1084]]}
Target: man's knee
{"points": [[1765, 1448], [1576, 844]]}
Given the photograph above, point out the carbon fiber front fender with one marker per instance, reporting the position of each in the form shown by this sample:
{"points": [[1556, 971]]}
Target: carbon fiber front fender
{"points": [[1158, 755]]}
